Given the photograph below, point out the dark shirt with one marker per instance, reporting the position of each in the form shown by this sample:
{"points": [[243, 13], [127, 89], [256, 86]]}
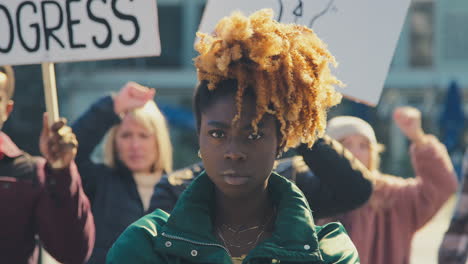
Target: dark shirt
{"points": [[38, 201]]}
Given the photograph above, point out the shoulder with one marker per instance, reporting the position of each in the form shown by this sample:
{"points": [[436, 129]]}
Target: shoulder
{"points": [[184, 176], [136, 243], [22, 167], [335, 244], [148, 225]]}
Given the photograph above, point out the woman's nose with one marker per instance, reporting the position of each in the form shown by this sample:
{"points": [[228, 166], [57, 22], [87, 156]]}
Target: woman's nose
{"points": [[234, 152], [135, 143], [235, 155]]}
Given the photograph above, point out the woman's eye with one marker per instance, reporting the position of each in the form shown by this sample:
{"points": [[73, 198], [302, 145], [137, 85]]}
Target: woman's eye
{"points": [[144, 136], [124, 135], [216, 133], [255, 136]]}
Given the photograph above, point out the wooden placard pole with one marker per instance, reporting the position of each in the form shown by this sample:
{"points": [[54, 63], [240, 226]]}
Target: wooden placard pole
{"points": [[50, 91]]}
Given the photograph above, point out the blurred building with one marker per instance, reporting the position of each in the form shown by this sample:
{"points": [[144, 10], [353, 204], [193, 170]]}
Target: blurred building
{"points": [[431, 54]]}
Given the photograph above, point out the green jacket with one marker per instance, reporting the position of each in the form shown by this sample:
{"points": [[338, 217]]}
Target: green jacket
{"points": [[186, 236]]}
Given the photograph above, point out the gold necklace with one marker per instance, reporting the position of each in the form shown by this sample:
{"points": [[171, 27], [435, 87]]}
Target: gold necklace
{"points": [[253, 242], [238, 231]]}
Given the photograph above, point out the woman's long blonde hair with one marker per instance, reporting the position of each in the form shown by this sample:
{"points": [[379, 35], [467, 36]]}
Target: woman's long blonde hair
{"points": [[150, 117]]}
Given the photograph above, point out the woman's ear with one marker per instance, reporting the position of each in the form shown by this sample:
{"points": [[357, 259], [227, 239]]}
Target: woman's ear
{"points": [[9, 107], [279, 150]]}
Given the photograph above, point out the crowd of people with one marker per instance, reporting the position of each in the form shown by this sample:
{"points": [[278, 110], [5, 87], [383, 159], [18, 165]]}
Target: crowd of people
{"points": [[264, 88]]}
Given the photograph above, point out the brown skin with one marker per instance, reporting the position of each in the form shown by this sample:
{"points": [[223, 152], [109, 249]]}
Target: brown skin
{"points": [[239, 162], [132, 96]]}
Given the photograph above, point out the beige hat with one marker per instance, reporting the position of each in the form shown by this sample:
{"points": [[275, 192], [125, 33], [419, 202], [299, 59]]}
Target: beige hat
{"points": [[342, 126]]}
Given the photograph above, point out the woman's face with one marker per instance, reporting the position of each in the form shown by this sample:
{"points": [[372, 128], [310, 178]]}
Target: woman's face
{"points": [[236, 159], [359, 146], [136, 146]]}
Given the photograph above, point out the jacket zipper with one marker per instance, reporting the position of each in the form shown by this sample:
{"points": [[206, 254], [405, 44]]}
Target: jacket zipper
{"points": [[195, 242]]}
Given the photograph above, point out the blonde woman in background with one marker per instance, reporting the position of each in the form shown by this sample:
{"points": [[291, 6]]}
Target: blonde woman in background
{"points": [[137, 152]]}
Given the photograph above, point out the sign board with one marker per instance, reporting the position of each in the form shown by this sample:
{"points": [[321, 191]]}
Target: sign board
{"points": [[75, 30], [361, 34]]}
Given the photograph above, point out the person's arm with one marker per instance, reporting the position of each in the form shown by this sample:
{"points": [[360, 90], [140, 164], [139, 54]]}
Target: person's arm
{"points": [[91, 127], [338, 183], [64, 219], [63, 215], [419, 199]]}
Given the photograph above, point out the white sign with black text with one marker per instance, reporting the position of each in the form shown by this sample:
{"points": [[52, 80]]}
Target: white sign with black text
{"points": [[361, 34], [37, 31]]}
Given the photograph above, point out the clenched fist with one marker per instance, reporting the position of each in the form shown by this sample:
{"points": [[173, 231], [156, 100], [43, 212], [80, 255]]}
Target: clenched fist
{"points": [[408, 120], [57, 144], [131, 96]]}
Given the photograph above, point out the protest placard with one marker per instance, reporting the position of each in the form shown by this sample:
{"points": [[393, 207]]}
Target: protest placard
{"points": [[49, 31], [361, 34], [75, 30]]}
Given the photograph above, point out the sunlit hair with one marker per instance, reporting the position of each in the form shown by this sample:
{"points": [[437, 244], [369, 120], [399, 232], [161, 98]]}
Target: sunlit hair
{"points": [[150, 117], [286, 65], [7, 73], [375, 151]]}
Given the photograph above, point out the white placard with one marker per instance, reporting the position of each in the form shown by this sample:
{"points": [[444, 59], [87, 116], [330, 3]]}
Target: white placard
{"points": [[361, 34], [37, 31]]}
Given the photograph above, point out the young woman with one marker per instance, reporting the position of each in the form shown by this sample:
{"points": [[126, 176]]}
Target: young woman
{"points": [[137, 152], [332, 179], [264, 87], [383, 229]]}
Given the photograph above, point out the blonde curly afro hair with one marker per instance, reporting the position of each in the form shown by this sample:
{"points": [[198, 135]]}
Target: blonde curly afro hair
{"points": [[286, 65]]}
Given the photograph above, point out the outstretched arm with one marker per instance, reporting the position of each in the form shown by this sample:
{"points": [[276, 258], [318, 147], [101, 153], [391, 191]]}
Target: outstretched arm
{"points": [[418, 199]]}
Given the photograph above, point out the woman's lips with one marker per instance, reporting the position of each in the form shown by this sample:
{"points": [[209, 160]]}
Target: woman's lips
{"points": [[232, 178]]}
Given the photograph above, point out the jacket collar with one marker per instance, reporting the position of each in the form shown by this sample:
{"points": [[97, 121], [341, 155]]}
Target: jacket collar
{"points": [[294, 238], [7, 147]]}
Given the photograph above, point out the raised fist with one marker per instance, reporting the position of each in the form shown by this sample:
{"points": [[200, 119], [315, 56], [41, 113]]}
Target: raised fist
{"points": [[57, 143], [132, 96], [408, 120]]}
